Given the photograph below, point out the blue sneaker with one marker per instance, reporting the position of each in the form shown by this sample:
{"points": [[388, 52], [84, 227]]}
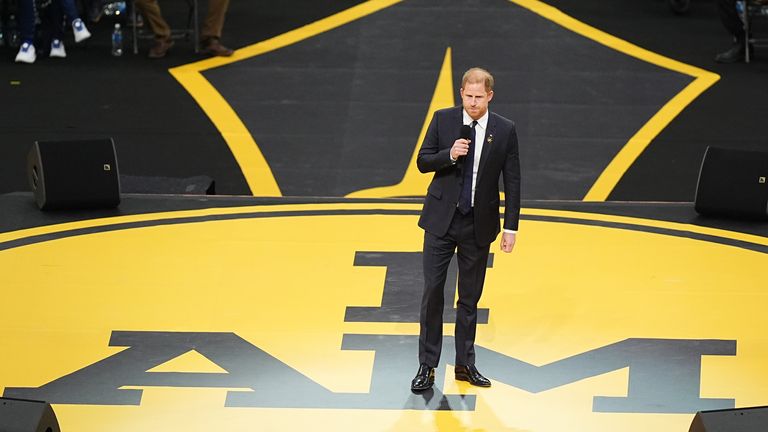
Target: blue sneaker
{"points": [[81, 33], [26, 53]]}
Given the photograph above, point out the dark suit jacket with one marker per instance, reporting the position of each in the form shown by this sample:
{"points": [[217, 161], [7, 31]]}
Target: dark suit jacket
{"points": [[500, 157]]}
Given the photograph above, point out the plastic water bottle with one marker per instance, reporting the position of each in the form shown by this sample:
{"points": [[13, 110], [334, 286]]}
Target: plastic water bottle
{"points": [[117, 41]]}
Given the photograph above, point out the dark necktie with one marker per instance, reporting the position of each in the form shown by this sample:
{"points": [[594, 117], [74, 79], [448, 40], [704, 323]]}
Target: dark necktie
{"points": [[465, 197]]}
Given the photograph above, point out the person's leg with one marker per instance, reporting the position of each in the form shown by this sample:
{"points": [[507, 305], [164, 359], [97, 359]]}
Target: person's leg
{"points": [[162, 31], [56, 13], [212, 27], [154, 16], [437, 255], [732, 22], [26, 18], [214, 19], [473, 262], [68, 8], [726, 9]]}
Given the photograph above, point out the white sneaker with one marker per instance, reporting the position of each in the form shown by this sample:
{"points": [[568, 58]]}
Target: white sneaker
{"points": [[81, 33], [57, 49], [26, 53]]}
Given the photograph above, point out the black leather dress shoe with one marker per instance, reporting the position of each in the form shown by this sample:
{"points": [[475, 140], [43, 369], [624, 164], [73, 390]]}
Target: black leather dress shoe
{"points": [[734, 54], [470, 374], [424, 379]]}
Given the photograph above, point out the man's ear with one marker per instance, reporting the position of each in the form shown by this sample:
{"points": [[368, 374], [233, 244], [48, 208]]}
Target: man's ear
{"points": [[490, 95]]}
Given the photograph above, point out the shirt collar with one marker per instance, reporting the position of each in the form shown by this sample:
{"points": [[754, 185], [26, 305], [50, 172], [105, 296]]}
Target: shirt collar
{"points": [[482, 122]]}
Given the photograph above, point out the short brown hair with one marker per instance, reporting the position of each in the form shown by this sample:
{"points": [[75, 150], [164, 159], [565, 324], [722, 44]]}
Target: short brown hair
{"points": [[478, 75]]}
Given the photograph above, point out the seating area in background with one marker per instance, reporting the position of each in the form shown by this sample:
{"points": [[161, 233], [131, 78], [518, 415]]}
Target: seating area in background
{"points": [[751, 12], [190, 30], [184, 27]]}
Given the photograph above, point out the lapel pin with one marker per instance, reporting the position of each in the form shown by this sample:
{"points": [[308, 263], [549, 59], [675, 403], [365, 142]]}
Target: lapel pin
{"points": [[490, 139]]}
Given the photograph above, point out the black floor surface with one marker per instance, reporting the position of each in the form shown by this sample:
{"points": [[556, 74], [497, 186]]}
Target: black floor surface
{"points": [[729, 114], [160, 131]]}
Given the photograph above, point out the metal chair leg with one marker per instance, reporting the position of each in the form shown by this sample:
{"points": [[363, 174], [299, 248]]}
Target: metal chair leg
{"points": [[745, 20], [196, 27], [134, 30]]}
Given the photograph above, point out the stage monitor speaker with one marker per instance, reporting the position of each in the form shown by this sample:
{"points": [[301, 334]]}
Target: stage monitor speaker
{"points": [[22, 415], [733, 183], [754, 419], [74, 174]]}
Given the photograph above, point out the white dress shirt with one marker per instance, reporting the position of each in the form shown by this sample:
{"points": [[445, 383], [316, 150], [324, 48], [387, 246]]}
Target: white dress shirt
{"points": [[477, 148]]}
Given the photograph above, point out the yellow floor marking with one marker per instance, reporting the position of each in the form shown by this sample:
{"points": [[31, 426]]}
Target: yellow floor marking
{"points": [[189, 362], [703, 79], [567, 288], [254, 166], [414, 183], [252, 163], [261, 180]]}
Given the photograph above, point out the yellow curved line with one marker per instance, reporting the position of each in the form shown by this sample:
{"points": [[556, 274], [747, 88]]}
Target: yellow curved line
{"points": [[246, 152], [628, 154], [259, 176], [252, 163], [703, 79]]}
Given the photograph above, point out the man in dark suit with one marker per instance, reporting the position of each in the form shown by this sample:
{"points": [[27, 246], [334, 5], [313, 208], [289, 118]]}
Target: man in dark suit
{"points": [[461, 213]]}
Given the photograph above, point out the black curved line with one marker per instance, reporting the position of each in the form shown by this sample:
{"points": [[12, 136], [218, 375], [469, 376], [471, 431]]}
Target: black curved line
{"points": [[11, 244], [757, 247]]}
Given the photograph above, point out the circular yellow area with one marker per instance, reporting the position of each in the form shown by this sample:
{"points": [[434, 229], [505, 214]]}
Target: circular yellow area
{"points": [[283, 283]]}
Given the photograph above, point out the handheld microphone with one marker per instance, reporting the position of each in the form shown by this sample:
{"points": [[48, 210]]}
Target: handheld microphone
{"points": [[465, 133]]}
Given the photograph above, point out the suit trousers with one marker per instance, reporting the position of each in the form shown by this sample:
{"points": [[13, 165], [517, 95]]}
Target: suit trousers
{"points": [[472, 260], [212, 25]]}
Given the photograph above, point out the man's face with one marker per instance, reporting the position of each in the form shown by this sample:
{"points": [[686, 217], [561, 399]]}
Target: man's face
{"points": [[475, 99]]}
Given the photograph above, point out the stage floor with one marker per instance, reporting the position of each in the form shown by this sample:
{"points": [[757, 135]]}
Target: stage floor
{"points": [[234, 314]]}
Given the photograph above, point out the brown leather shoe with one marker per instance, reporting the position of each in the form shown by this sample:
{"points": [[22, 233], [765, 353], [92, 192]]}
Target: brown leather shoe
{"points": [[160, 48], [214, 47]]}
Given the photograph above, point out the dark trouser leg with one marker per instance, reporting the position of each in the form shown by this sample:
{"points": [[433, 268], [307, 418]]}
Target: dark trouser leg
{"points": [[27, 20], [730, 18], [69, 9], [437, 255], [56, 12], [473, 261]]}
